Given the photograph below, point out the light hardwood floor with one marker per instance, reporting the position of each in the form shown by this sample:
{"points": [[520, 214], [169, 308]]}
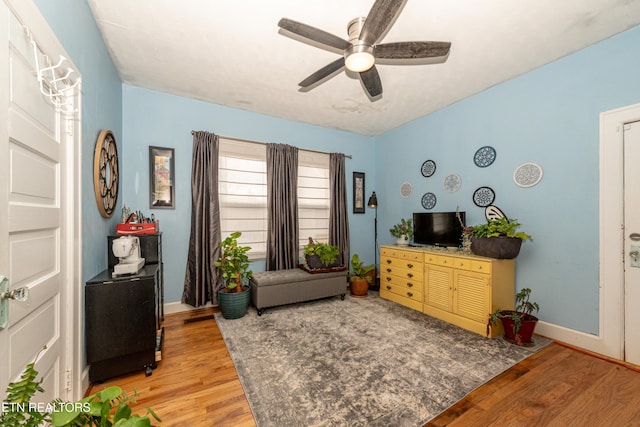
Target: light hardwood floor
{"points": [[196, 384]]}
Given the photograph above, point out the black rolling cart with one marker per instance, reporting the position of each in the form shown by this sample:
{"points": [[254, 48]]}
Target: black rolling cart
{"points": [[120, 323]]}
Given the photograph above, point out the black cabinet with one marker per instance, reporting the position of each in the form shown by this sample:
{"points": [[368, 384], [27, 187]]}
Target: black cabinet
{"points": [[121, 323]]}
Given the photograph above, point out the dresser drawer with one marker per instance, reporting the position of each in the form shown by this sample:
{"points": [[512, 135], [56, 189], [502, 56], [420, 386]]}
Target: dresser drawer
{"points": [[402, 254], [413, 294], [387, 279], [408, 264], [481, 266], [405, 273]]}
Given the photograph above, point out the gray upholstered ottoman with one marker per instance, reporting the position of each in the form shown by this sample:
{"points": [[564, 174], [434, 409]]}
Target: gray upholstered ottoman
{"points": [[273, 288]]}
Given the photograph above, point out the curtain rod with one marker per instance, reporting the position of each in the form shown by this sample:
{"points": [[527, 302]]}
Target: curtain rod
{"points": [[348, 156]]}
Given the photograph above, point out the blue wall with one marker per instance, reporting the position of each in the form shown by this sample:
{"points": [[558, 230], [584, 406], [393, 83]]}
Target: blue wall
{"points": [[551, 117], [153, 118], [76, 29]]}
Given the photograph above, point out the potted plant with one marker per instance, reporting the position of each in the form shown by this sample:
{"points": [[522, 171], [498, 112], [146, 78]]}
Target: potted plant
{"points": [[107, 407], [358, 279], [234, 297], [518, 324], [403, 231], [498, 238], [322, 255]]}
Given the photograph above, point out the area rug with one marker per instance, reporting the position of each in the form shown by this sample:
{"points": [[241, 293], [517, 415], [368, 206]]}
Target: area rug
{"points": [[358, 362]]}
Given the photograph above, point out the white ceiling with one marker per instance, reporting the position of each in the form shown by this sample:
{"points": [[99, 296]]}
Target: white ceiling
{"points": [[231, 52]]}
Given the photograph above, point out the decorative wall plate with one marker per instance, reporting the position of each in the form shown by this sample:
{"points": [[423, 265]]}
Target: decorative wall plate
{"points": [[406, 189], [484, 157], [452, 183], [492, 212], [428, 168], [106, 173], [428, 200], [483, 196], [527, 174]]}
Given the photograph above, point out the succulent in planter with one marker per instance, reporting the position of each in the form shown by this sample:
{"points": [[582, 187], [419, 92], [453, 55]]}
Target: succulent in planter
{"points": [[498, 238], [403, 230], [321, 255], [518, 324]]}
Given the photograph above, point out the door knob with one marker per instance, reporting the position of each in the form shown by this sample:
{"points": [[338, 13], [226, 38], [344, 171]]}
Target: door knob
{"points": [[19, 294]]}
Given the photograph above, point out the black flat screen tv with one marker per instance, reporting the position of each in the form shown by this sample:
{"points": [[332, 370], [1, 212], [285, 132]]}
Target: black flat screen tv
{"points": [[438, 228]]}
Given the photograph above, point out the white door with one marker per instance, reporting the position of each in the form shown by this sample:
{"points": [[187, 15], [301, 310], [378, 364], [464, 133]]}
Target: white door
{"points": [[632, 242], [34, 212]]}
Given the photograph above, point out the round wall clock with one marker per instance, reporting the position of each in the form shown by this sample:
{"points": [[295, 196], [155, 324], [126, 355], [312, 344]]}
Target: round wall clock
{"points": [[105, 173]]}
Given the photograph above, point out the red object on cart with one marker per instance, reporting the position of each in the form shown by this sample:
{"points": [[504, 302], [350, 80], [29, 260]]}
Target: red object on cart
{"points": [[137, 228]]}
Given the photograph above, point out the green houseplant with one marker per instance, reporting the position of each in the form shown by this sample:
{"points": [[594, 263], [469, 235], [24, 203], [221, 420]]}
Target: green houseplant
{"points": [[321, 255], [518, 324], [498, 238], [358, 279], [106, 408], [403, 231], [233, 264]]}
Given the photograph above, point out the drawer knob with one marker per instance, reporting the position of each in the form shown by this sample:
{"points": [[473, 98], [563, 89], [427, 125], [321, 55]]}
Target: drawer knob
{"points": [[388, 279], [409, 294], [409, 275], [388, 261], [410, 265], [388, 287], [409, 284], [388, 270]]}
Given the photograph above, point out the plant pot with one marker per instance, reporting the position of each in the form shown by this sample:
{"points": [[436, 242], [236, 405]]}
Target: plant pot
{"points": [[358, 287], [402, 240], [524, 336], [234, 305], [313, 261], [501, 247]]}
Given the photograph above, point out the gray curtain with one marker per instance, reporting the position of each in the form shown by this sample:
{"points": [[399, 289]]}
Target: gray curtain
{"points": [[201, 281], [339, 211], [282, 207]]}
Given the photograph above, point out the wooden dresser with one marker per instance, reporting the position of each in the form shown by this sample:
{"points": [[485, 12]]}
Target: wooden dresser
{"points": [[457, 288]]}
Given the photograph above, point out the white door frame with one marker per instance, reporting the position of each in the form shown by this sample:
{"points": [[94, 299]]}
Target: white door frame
{"points": [[610, 339], [611, 225], [30, 16]]}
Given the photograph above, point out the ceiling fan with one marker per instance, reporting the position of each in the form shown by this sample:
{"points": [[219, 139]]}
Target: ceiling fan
{"points": [[361, 51]]}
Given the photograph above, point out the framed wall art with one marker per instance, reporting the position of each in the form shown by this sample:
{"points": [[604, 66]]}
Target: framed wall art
{"points": [[358, 192], [161, 178]]}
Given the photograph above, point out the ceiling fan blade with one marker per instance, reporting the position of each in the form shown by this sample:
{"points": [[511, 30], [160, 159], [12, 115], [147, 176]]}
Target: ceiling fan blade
{"points": [[380, 18], [408, 50], [371, 81], [313, 33], [323, 72]]}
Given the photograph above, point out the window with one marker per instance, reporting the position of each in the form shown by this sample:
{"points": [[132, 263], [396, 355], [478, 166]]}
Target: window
{"points": [[313, 197], [242, 189]]}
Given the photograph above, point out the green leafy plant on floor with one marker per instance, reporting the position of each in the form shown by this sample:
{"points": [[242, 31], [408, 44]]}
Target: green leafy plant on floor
{"points": [[106, 408]]}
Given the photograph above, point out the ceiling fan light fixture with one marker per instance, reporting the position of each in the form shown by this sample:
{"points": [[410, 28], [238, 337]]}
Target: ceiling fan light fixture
{"points": [[359, 58]]}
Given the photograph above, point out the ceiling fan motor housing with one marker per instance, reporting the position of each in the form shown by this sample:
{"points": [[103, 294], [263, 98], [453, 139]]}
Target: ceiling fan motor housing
{"points": [[359, 56]]}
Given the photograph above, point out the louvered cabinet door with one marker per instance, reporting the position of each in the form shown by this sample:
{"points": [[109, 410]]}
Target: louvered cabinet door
{"points": [[472, 295]]}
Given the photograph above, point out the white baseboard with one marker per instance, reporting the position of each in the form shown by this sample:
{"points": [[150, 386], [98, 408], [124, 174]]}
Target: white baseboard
{"points": [[178, 307], [575, 338]]}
